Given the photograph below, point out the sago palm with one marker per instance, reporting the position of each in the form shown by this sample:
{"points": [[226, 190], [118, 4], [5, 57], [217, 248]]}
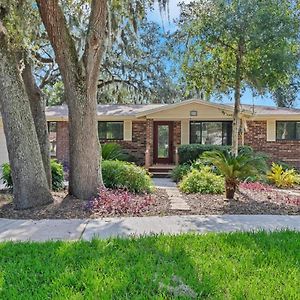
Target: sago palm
{"points": [[235, 168]]}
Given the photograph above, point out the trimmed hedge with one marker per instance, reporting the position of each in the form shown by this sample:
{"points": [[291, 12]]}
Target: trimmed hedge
{"points": [[190, 153], [202, 181], [124, 175]]}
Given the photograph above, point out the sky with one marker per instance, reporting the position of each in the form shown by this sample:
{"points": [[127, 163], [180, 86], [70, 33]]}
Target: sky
{"points": [[169, 25]]}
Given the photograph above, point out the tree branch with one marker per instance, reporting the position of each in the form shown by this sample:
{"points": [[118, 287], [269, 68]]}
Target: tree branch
{"points": [[48, 78], [111, 81], [95, 41], [61, 40], [40, 58]]}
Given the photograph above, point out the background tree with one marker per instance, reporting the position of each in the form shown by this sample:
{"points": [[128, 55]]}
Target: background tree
{"points": [[135, 69], [287, 95], [233, 45], [28, 171]]}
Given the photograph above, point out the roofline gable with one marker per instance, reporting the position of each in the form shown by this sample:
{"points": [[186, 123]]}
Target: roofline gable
{"points": [[186, 102]]}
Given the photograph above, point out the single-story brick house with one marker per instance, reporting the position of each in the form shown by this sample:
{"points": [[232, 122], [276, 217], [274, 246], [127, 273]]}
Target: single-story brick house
{"points": [[152, 133]]}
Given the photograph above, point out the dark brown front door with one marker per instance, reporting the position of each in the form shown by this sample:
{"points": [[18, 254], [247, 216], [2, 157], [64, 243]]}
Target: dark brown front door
{"points": [[163, 142]]}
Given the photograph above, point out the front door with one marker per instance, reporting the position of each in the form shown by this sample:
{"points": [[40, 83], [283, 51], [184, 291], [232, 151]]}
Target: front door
{"points": [[163, 141]]}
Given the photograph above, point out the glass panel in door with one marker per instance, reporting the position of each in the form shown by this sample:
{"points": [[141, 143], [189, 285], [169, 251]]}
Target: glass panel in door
{"points": [[163, 141]]}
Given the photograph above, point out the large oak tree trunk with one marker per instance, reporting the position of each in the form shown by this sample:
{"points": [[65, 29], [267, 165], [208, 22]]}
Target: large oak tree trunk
{"points": [[38, 106], [30, 183], [84, 146], [80, 77]]}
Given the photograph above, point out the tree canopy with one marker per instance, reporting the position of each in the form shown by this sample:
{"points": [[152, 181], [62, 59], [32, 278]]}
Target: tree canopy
{"points": [[267, 33], [233, 45]]}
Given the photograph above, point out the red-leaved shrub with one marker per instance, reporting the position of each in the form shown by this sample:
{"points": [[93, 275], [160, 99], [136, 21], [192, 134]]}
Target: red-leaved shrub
{"points": [[119, 202], [293, 200], [255, 186]]}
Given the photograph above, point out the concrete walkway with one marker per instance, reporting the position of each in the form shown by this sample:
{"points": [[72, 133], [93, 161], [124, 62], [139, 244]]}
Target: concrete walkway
{"points": [[177, 201], [43, 230]]}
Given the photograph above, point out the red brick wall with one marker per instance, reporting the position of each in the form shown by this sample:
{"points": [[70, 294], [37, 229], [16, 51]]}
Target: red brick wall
{"points": [[256, 137], [137, 146], [141, 135], [62, 142]]}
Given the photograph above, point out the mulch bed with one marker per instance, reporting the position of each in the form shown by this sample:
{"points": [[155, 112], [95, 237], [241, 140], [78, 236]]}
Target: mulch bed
{"points": [[246, 202], [67, 207], [271, 202]]}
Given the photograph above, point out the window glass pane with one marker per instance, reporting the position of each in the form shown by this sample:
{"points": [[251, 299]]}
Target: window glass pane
{"points": [[52, 128], [195, 133], [163, 141], [110, 130], [288, 130], [212, 133], [227, 133]]}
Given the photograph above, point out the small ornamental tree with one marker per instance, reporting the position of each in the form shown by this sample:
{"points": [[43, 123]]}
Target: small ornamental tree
{"points": [[233, 45]]}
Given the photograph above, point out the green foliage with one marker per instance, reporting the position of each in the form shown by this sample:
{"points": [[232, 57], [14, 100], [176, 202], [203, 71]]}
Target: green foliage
{"points": [[190, 153], [6, 175], [239, 167], [119, 174], [235, 168], [56, 172], [113, 151], [180, 171], [54, 93], [202, 181], [214, 33], [283, 178], [126, 65]]}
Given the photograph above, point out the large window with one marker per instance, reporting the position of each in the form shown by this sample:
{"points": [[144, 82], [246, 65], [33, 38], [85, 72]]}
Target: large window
{"points": [[110, 130], [288, 130], [212, 133], [52, 129]]}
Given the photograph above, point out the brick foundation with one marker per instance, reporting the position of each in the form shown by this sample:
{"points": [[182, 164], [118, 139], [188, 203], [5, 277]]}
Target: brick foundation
{"points": [[287, 151]]}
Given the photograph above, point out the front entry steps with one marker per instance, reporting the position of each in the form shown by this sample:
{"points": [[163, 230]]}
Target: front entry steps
{"points": [[161, 171]]}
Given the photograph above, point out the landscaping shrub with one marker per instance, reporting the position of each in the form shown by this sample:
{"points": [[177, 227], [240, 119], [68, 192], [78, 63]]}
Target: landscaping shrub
{"points": [[124, 175], [235, 168], [283, 178], [6, 175], [113, 151], [189, 153], [56, 172], [202, 181], [180, 171], [118, 202]]}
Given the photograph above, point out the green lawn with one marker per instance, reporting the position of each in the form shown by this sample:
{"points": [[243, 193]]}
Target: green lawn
{"points": [[214, 266]]}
